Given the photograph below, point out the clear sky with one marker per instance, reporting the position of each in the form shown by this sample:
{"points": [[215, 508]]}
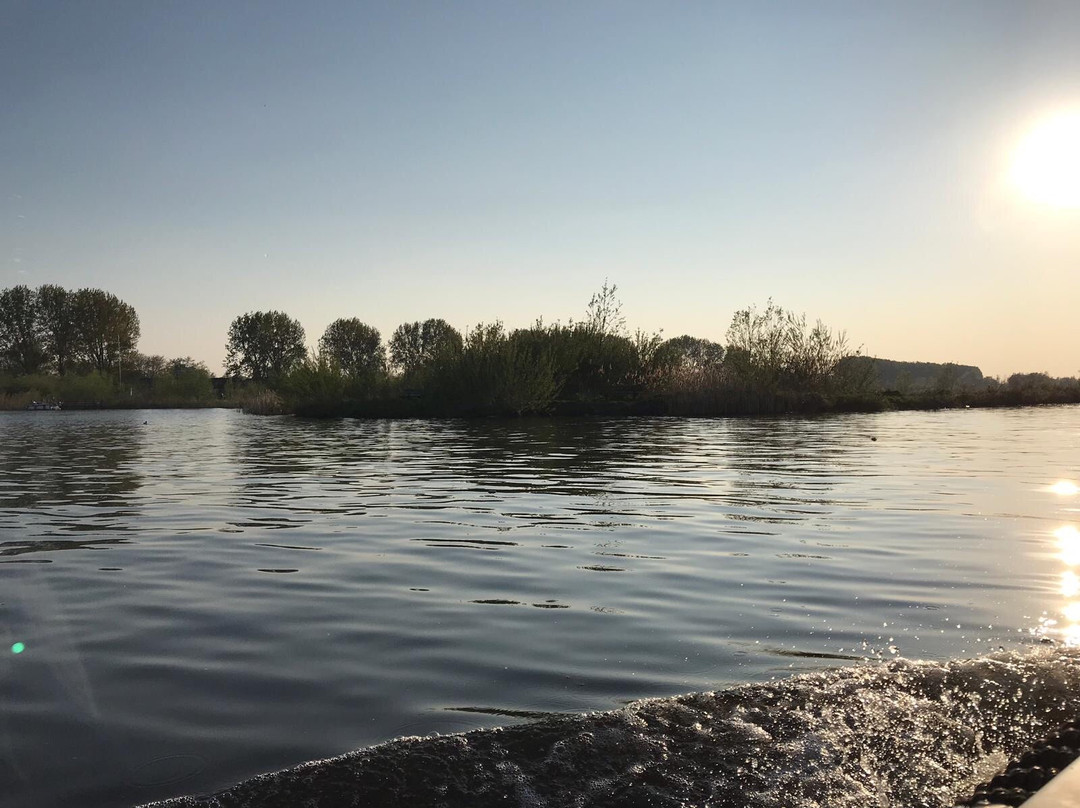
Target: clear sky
{"points": [[396, 161]]}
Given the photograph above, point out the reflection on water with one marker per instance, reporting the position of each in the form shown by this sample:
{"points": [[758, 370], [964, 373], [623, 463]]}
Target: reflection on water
{"points": [[70, 463], [1065, 488], [253, 592], [1068, 542]]}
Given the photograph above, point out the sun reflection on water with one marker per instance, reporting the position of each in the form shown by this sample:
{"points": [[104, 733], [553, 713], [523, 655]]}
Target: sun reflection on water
{"points": [[1068, 540], [1070, 584], [1065, 488]]}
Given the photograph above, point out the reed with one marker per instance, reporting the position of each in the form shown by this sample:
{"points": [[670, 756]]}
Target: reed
{"points": [[262, 402]]}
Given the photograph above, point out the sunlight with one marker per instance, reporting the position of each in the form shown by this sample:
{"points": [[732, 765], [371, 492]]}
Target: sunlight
{"points": [[1071, 635], [1046, 164], [1070, 584], [1065, 488], [1069, 541]]}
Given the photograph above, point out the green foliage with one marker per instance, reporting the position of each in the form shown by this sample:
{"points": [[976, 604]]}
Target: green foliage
{"points": [[317, 384], [415, 347], [774, 350], [90, 388], [857, 375], [688, 354], [183, 380], [91, 331], [355, 346], [58, 326], [498, 373], [107, 327], [1029, 382], [257, 400], [686, 368], [534, 377], [607, 365], [21, 348], [39, 386], [646, 347], [264, 346], [148, 381], [948, 379], [774, 363], [603, 316]]}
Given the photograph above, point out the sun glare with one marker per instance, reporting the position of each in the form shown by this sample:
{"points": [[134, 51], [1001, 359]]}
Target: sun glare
{"points": [[1046, 164], [1069, 542]]}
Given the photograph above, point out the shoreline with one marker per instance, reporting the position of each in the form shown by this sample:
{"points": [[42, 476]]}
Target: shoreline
{"points": [[405, 409]]}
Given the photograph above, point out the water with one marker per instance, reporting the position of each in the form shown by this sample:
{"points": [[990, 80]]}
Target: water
{"points": [[207, 596]]}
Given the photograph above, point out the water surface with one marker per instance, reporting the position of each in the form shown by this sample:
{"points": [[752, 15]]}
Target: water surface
{"points": [[206, 595]]}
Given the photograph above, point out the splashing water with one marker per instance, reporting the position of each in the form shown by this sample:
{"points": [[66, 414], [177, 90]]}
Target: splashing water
{"points": [[901, 734]]}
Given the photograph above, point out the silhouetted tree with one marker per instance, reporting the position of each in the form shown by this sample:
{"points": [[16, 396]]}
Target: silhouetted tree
{"points": [[416, 345], [355, 346], [775, 349], [107, 327], [150, 367], [1028, 382], [603, 317], [184, 378], [689, 353], [169, 380], [20, 337], [264, 345], [58, 327]]}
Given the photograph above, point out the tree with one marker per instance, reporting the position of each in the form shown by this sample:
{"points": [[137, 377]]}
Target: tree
{"points": [[107, 327], [185, 379], [355, 346], [150, 367], [756, 343], [20, 339], [603, 317], [688, 353], [264, 345], [776, 349], [416, 345], [56, 321]]}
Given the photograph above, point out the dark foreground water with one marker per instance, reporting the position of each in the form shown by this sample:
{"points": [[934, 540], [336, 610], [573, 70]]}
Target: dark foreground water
{"points": [[236, 595]]}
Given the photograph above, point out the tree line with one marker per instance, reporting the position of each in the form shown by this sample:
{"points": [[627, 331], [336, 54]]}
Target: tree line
{"points": [[79, 346], [53, 329], [774, 361]]}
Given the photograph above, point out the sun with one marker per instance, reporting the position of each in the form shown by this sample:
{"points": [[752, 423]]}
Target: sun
{"points": [[1046, 164]]}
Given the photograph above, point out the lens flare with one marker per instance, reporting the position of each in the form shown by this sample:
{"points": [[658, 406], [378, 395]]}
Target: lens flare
{"points": [[18, 648]]}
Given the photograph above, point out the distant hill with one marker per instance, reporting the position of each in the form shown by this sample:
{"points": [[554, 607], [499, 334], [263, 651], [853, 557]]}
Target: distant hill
{"points": [[890, 374]]}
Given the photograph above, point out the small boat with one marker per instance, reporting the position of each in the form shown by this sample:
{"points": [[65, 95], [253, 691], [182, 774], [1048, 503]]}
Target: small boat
{"points": [[37, 406]]}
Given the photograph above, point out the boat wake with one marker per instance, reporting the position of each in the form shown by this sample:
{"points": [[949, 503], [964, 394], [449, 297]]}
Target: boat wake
{"points": [[898, 734]]}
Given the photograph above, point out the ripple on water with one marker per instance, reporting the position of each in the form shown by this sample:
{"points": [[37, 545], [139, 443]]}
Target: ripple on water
{"points": [[294, 589]]}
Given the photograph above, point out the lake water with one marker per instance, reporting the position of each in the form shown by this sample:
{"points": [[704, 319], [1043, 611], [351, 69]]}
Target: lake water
{"points": [[190, 598]]}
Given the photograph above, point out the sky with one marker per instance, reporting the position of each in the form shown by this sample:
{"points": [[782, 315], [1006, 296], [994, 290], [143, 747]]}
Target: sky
{"points": [[482, 161]]}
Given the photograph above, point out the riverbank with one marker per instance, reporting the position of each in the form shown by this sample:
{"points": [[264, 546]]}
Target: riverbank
{"points": [[419, 407], [738, 404]]}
